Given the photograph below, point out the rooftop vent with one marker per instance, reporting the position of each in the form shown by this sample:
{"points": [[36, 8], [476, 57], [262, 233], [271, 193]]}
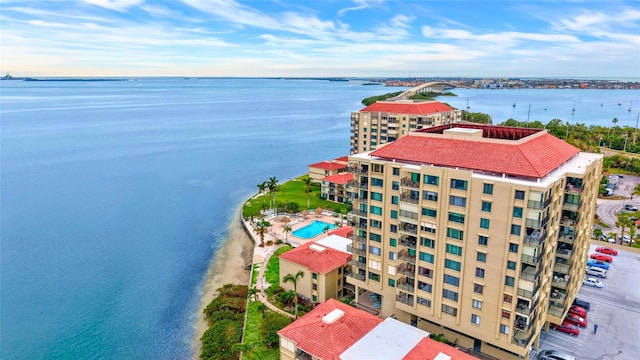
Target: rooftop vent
{"points": [[317, 248], [442, 356], [463, 132], [333, 316]]}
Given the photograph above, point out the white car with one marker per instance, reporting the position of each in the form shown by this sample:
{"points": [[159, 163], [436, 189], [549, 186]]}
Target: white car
{"points": [[592, 282]]}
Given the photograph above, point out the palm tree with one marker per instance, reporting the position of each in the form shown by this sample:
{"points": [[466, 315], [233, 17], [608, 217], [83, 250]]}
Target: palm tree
{"points": [[271, 185], [252, 292], [286, 229], [294, 280], [623, 223], [307, 184], [262, 227], [261, 188]]}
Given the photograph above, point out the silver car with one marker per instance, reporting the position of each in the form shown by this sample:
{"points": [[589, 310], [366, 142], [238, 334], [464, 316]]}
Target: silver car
{"points": [[554, 355]]}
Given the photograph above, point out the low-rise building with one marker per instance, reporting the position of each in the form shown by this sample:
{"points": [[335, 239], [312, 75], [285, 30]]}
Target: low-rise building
{"points": [[334, 187], [325, 168]]}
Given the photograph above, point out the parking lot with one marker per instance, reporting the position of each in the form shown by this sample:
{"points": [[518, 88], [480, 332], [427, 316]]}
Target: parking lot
{"points": [[615, 308]]}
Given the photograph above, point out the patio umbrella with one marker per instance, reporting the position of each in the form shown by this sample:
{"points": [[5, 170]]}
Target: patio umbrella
{"points": [[304, 212], [285, 220], [319, 211]]}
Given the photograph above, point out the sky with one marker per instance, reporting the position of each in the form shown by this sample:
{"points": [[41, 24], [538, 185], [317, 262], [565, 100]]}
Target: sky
{"points": [[321, 38]]}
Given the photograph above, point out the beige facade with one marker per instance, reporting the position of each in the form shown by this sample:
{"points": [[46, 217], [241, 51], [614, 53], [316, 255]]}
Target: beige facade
{"points": [[372, 127], [487, 259], [317, 287]]}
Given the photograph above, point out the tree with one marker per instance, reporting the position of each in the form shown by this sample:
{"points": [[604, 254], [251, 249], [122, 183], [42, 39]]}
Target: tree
{"points": [[272, 185], [287, 230], [294, 280], [252, 293], [261, 228], [269, 327], [597, 233], [307, 184], [261, 188], [623, 223]]}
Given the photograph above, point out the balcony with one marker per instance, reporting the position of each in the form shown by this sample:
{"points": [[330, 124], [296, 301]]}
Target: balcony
{"points": [[523, 308], [358, 199], [535, 238], [356, 251], [562, 268], [408, 241], [560, 282], [408, 183], [357, 170], [522, 337], [538, 205], [564, 253], [557, 311], [356, 276], [361, 213], [530, 259], [358, 185], [405, 299], [406, 287], [407, 270], [358, 225], [529, 273], [358, 264], [411, 229], [571, 206], [566, 239], [410, 198], [406, 256], [572, 189], [529, 294]]}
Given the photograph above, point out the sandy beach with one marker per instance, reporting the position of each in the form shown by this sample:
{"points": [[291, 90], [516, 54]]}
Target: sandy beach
{"points": [[228, 266]]}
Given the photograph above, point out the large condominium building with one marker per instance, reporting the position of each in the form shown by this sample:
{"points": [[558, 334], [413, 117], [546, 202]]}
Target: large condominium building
{"points": [[386, 121], [480, 233]]}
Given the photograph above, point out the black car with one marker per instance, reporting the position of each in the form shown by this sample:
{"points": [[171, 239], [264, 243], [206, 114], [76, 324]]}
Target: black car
{"points": [[583, 304]]}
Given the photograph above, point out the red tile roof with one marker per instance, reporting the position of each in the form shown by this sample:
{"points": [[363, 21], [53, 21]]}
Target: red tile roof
{"points": [[316, 261], [327, 341], [341, 178], [419, 108], [428, 349], [344, 231], [532, 156], [344, 159], [329, 165]]}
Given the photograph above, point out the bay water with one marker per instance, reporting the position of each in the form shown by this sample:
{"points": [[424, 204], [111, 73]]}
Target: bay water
{"points": [[116, 195]]}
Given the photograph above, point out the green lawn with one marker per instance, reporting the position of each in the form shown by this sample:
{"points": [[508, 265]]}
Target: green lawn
{"points": [[292, 191], [252, 335], [272, 273], [254, 274]]}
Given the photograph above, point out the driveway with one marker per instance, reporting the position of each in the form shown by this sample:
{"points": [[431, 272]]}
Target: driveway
{"points": [[608, 208]]}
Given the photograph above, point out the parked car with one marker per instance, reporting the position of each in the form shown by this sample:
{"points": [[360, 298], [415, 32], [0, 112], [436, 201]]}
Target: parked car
{"points": [[592, 282], [631, 207], [554, 355], [598, 263], [601, 257], [578, 311], [607, 250], [566, 327], [596, 271], [626, 239], [576, 320], [581, 303]]}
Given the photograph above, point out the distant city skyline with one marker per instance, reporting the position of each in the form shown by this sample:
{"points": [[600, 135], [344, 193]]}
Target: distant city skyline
{"points": [[359, 38]]}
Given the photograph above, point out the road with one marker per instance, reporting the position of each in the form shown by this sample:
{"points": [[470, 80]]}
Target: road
{"points": [[608, 208]]}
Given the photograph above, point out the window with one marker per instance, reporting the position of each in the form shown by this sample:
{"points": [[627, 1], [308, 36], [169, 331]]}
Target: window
{"points": [[477, 304], [315, 286], [480, 256], [393, 255], [422, 271], [374, 250], [375, 237], [478, 288], [393, 228], [315, 298], [483, 240], [507, 298], [395, 185], [458, 184], [511, 265], [515, 229], [427, 227], [453, 249], [475, 319], [430, 195], [426, 257], [455, 234], [431, 180], [393, 242], [375, 210], [451, 295], [509, 281], [376, 196], [427, 242], [484, 223], [451, 264], [392, 283], [513, 247], [449, 310], [455, 217], [396, 171], [376, 224], [429, 212], [314, 275], [340, 270], [425, 287], [488, 189], [424, 302], [451, 280], [517, 212], [394, 200], [486, 206], [480, 273], [394, 214], [504, 329], [373, 276], [457, 200], [376, 182], [519, 195]]}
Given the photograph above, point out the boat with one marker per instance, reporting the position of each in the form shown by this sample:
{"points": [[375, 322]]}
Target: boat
{"points": [[514, 104], [630, 103]]}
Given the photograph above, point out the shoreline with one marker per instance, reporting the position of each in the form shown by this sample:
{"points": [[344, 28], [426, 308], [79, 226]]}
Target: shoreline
{"points": [[226, 267]]}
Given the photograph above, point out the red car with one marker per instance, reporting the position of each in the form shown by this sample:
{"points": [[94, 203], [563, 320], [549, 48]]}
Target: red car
{"points": [[607, 250], [601, 257], [578, 311], [566, 327], [576, 319]]}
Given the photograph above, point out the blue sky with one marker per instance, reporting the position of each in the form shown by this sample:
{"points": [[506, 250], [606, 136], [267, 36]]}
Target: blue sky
{"points": [[376, 38]]}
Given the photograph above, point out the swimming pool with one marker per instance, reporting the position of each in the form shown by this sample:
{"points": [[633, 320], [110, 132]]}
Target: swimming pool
{"points": [[312, 230]]}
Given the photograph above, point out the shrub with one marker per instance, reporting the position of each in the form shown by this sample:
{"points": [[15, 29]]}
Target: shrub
{"points": [[269, 327]]}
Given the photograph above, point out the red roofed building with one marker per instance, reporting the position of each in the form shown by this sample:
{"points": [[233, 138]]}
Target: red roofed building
{"points": [[386, 121], [431, 349], [325, 168], [334, 187], [325, 332], [323, 269], [455, 221]]}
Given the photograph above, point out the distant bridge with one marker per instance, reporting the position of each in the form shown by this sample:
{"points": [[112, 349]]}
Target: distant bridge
{"points": [[434, 86]]}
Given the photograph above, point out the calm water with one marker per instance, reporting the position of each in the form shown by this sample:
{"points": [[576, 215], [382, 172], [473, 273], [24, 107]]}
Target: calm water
{"points": [[116, 195]]}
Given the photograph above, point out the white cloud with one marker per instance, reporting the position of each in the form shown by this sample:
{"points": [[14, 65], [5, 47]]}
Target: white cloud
{"points": [[360, 5], [117, 5]]}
